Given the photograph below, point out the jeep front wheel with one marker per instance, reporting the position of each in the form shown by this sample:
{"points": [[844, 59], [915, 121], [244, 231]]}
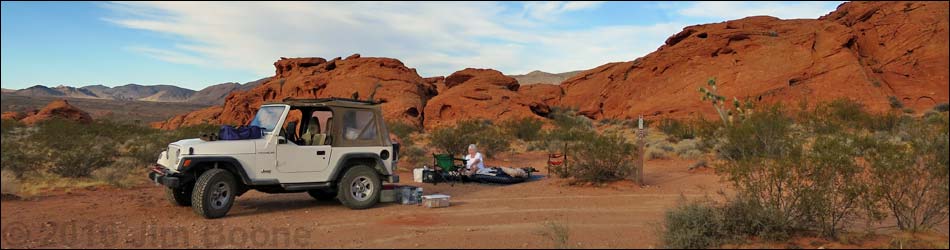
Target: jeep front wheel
{"points": [[359, 188], [214, 193], [180, 196]]}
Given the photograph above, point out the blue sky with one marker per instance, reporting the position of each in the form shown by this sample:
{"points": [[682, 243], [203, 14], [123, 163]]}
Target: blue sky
{"points": [[195, 45]]}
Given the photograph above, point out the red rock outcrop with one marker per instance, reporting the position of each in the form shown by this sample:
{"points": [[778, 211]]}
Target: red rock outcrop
{"points": [[12, 115], [402, 91], [550, 94], [58, 109], [866, 51], [481, 94]]}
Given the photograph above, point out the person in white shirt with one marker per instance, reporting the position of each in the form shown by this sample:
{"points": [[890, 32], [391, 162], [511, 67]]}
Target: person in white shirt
{"points": [[473, 161]]}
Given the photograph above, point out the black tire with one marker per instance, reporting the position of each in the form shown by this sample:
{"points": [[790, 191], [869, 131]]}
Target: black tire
{"points": [[179, 196], [497, 179], [214, 194], [322, 195], [364, 176]]}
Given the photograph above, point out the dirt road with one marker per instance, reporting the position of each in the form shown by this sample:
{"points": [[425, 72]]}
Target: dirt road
{"points": [[481, 216]]}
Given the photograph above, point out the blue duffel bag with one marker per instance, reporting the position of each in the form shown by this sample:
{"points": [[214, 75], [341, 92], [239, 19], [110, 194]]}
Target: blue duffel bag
{"points": [[240, 133]]}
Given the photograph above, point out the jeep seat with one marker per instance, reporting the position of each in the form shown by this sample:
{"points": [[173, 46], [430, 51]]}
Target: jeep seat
{"points": [[313, 135]]}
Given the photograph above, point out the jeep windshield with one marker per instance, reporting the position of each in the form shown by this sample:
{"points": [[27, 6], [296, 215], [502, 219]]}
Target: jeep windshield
{"points": [[267, 118]]}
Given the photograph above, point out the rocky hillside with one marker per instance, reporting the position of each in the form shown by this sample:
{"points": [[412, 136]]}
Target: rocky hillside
{"points": [[866, 51], [216, 94], [537, 76], [213, 95], [871, 52]]}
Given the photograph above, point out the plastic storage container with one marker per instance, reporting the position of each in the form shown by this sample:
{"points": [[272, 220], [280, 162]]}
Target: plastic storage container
{"points": [[435, 201]]}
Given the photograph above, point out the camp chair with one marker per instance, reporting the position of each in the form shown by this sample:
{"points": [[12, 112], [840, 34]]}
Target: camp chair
{"points": [[557, 161], [447, 168]]}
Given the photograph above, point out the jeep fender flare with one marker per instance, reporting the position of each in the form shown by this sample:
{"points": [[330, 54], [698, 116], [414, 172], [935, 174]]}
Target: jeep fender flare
{"points": [[232, 165], [345, 163]]}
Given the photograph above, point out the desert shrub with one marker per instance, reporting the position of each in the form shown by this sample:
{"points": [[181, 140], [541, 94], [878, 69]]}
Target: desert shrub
{"points": [[694, 225], [766, 134], [895, 103], [455, 140], [705, 224], [834, 187], [656, 154], [676, 129], [7, 126], [567, 119], [943, 107], [746, 217], [556, 232], [16, 155], [911, 177], [412, 154], [592, 157], [886, 121], [123, 173], [402, 129], [9, 183], [526, 129], [600, 158]]}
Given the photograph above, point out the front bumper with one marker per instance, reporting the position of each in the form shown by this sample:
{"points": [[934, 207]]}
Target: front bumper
{"points": [[161, 175]]}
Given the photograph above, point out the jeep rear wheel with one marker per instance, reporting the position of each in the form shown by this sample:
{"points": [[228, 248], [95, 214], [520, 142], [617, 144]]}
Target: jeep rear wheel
{"points": [[214, 193], [180, 196], [322, 195], [360, 187]]}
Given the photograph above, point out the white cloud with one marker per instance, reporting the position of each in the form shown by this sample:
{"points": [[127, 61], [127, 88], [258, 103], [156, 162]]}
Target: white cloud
{"points": [[436, 38], [735, 10], [550, 10]]}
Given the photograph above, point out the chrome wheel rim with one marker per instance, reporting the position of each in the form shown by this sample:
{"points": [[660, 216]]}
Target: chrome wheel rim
{"points": [[361, 188], [220, 195]]}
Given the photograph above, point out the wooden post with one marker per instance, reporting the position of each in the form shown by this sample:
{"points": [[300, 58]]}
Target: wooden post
{"points": [[636, 175]]}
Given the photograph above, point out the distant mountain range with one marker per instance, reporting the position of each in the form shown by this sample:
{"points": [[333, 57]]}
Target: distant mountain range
{"points": [[537, 76], [213, 95]]}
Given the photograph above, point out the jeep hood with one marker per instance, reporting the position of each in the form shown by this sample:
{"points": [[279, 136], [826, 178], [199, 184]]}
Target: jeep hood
{"points": [[216, 147]]}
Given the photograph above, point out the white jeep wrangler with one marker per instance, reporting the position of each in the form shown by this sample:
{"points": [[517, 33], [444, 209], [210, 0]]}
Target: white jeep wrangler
{"points": [[331, 148]]}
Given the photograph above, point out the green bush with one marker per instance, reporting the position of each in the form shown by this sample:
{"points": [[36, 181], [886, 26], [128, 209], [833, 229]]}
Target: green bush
{"points": [[402, 130], [526, 129], [676, 129], [71, 149], [455, 140], [895, 103], [943, 107], [766, 134], [833, 192], [911, 177], [600, 158], [693, 226], [704, 224], [745, 217], [568, 119], [123, 173]]}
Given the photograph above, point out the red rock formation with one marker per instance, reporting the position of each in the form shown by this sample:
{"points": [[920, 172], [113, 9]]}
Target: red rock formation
{"points": [[480, 94], [866, 51], [12, 115], [550, 94], [58, 109], [402, 91]]}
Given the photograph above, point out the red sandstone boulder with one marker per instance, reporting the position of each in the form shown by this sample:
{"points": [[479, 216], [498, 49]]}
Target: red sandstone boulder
{"points": [[481, 94]]}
